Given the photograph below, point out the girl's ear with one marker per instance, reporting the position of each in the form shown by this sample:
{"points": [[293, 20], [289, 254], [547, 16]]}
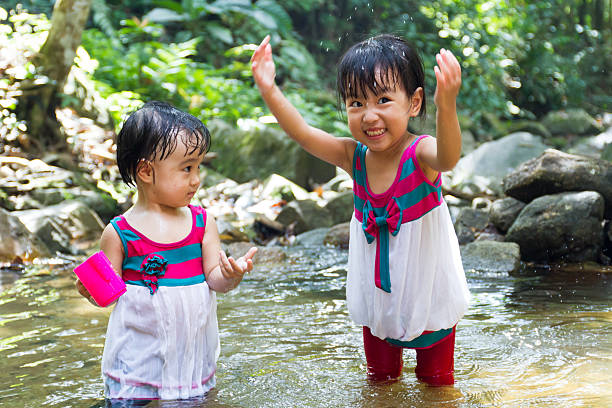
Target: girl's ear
{"points": [[145, 171], [415, 102]]}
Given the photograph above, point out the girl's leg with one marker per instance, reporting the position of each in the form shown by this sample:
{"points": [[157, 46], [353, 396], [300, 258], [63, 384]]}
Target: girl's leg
{"points": [[436, 365], [384, 360]]}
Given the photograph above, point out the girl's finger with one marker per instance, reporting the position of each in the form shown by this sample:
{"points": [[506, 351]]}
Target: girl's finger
{"points": [[439, 75], [261, 46], [441, 61], [224, 263], [251, 252], [236, 267]]}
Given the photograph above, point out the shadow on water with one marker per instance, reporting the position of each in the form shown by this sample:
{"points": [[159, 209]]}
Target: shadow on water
{"points": [[540, 340]]}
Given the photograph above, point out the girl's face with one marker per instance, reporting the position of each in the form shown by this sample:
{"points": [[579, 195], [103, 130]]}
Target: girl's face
{"points": [[380, 121], [177, 177]]}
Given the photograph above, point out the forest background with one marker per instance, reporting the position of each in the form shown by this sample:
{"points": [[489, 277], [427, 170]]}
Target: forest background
{"points": [[520, 59]]}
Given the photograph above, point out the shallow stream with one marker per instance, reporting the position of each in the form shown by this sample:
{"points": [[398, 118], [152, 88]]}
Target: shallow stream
{"points": [[287, 341]]}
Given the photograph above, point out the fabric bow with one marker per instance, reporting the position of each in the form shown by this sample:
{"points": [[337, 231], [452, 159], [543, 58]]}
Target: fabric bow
{"points": [[379, 228], [152, 267]]}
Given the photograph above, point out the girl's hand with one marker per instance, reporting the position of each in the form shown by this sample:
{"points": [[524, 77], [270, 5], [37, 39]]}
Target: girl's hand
{"points": [[235, 269], [448, 78], [263, 67], [83, 292]]}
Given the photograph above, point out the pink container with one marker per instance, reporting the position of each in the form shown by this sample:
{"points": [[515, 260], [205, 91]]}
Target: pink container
{"points": [[100, 279]]}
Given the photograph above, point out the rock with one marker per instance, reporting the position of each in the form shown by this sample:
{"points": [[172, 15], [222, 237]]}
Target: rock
{"points": [[563, 227], [555, 172], [482, 170], [341, 207], [243, 153], [571, 122], [469, 222], [311, 172], [313, 237], [280, 188], [504, 211], [304, 215], [338, 235], [70, 219], [342, 182], [230, 233], [17, 240], [594, 146], [529, 126], [263, 256], [491, 257], [606, 153]]}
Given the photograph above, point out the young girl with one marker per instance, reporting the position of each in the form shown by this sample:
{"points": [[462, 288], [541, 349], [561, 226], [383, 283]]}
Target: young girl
{"points": [[406, 284], [162, 339]]}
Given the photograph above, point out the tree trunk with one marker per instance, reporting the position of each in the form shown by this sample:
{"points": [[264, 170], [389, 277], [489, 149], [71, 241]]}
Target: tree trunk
{"points": [[38, 101]]}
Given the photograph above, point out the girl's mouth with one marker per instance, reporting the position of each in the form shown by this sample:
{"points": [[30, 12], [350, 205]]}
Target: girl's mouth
{"points": [[374, 133]]}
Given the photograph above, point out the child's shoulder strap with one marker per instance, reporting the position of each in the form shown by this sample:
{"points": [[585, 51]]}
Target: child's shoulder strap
{"points": [[359, 168], [199, 214], [415, 143], [124, 231]]}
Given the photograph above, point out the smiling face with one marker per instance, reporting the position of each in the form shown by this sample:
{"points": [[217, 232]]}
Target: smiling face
{"points": [[176, 178], [379, 119]]}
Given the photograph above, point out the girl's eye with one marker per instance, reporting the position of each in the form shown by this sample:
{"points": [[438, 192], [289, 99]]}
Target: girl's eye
{"points": [[187, 169], [384, 99], [354, 104]]}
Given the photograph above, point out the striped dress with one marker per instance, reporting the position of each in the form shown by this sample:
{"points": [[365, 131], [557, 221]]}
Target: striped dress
{"points": [[405, 277], [162, 339]]}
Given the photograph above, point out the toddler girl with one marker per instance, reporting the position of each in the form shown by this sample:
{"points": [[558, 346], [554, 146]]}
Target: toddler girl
{"points": [[162, 339], [406, 284]]}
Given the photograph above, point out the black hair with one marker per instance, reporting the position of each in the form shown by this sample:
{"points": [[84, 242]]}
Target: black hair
{"points": [[153, 130], [375, 64]]}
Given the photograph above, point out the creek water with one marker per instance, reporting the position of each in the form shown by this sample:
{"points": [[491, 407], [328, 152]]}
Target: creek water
{"points": [[533, 340]]}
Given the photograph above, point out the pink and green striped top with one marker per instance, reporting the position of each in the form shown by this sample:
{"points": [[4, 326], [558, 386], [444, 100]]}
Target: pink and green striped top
{"points": [[153, 264], [410, 197]]}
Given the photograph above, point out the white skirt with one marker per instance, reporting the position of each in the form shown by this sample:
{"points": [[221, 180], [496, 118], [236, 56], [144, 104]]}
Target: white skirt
{"points": [[164, 345], [428, 286]]}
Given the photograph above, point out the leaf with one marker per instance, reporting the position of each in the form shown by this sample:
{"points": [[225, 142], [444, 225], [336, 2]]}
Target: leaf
{"points": [[277, 12], [161, 15], [219, 32]]}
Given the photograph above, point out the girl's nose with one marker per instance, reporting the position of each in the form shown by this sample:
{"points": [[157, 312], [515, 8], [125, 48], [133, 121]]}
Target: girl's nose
{"points": [[370, 115], [195, 179]]}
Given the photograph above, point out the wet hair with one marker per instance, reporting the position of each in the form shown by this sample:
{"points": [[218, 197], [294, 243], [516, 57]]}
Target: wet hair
{"points": [[376, 64], [152, 131]]}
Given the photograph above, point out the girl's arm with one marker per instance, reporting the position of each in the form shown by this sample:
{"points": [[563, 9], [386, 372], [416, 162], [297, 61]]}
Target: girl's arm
{"points": [[337, 151], [111, 244], [443, 153], [222, 274]]}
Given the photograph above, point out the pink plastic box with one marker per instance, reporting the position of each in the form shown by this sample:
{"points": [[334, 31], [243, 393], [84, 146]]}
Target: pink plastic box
{"points": [[100, 279]]}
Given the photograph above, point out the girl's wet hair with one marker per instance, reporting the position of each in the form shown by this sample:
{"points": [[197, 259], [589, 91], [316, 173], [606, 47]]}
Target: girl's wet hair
{"points": [[152, 132], [376, 64]]}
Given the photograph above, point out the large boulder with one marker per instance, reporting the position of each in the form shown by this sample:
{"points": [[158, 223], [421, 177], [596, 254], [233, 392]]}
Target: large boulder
{"points": [[483, 169], [556, 172], [560, 227], [243, 153], [17, 241], [62, 225], [571, 122]]}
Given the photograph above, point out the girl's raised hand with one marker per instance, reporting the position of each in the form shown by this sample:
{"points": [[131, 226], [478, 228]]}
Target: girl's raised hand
{"points": [[232, 269], [448, 78], [262, 66]]}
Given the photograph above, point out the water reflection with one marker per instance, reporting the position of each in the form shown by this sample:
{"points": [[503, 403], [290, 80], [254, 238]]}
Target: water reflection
{"points": [[528, 340]]}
